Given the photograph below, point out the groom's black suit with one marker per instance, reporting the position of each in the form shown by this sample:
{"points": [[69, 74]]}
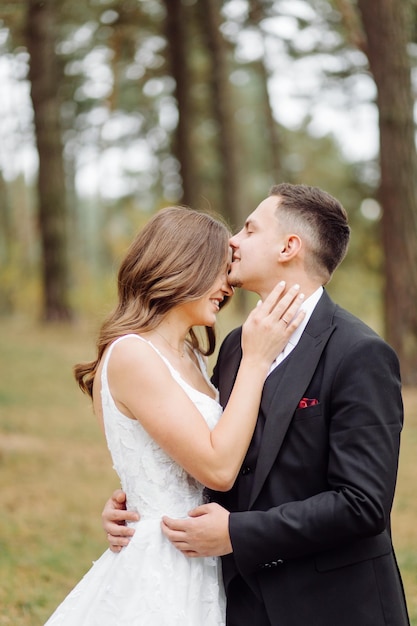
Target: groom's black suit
{"points": [[310, 509]]}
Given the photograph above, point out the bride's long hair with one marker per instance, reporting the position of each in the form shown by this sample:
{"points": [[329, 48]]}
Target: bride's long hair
{"points": [[175, 258]]}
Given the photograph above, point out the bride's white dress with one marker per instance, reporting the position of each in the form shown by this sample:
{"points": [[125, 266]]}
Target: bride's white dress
{"points": [[148, 583]]}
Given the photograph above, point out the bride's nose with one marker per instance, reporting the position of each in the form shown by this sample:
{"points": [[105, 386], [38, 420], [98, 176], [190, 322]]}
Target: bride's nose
{"points": [[227, 289]]}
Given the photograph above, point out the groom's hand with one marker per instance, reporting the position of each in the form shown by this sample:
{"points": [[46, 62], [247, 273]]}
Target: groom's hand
{"points": [[114, 518], [204, 533]]}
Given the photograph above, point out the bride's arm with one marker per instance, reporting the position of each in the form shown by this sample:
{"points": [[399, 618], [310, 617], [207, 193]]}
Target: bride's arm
{"points": [[115, 516], [171, 419]]}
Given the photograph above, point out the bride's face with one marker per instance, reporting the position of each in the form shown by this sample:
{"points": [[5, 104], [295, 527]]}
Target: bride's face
{"points": [[203, 311]]}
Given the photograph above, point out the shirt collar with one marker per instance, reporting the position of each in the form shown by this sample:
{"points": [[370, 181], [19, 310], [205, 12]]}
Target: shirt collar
{"points": [[308, 306]]}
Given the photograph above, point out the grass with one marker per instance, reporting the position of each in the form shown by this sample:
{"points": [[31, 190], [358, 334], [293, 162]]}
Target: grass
{"points": [[55, 474]]}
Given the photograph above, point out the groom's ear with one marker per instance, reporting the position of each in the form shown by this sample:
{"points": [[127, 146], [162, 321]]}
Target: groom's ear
{"points": [[290, 247]]}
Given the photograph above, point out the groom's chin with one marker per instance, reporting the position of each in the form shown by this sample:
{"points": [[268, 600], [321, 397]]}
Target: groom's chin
{"points": [[234, 281]]}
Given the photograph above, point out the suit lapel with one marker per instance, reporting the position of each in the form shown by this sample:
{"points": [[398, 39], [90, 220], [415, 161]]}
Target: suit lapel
{"points": [[228, 370], [281, 400]]}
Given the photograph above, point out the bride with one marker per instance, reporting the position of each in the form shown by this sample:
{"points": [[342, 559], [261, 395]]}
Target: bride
{"points": [[166, 432]]}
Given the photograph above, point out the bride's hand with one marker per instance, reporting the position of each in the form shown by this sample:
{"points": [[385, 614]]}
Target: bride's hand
{"points": [[269, 326]]}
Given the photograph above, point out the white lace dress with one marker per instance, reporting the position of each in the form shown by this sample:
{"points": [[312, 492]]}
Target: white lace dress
{"points": [[148, 583]]}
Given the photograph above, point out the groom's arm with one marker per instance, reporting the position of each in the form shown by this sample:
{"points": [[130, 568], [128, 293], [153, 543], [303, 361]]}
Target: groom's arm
{"points": [[114, 518], [204, 533], [364, 415]]}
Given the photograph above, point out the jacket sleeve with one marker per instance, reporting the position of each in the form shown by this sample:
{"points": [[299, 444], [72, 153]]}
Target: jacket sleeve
{"points": [[362, 407]]}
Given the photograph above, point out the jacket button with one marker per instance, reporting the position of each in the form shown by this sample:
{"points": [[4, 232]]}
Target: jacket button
{"points": [[246, 470]]}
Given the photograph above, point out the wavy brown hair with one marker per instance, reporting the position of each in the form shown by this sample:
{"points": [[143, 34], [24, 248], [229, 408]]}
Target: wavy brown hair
{"points": [[175, 258]]}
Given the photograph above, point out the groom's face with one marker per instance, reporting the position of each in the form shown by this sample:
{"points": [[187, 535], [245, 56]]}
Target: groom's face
{"points": [[256, 249]]}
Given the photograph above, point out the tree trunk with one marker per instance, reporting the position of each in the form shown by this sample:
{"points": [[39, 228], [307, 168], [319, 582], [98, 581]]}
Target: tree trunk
{"points": [[271, 134], [6, 238], [175, 27], [44, 78], [385, 24], [223, 113]]}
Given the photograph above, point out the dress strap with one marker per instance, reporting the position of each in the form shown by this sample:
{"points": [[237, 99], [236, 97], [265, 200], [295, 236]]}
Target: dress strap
{"points": [[104, 380], [174, 373], [104, 383]]}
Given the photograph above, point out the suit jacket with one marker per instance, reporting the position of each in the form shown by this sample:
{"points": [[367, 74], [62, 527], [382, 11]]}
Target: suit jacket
{"points": [[310, 509]]}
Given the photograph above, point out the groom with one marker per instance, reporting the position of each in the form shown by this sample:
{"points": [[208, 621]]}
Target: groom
{"points": [[305, 531]]}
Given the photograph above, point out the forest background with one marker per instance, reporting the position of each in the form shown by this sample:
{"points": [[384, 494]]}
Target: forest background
{"points": [[112, 109]]}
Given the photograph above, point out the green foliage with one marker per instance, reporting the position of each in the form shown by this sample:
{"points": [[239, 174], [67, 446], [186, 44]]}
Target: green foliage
{"points": [[116, 94]]}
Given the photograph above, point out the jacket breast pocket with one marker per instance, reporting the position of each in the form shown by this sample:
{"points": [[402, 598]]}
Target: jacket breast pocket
{"points": [[308, 412]]}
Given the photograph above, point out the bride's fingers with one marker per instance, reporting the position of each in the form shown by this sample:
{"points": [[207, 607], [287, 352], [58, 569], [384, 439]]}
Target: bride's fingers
{"points": [[277, 303], [293, 317], [279, 307], [285, 309], [273, 298], [288, 312]]}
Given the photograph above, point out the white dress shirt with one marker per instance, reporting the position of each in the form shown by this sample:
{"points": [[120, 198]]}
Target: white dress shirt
{"points": [[308, 306]]}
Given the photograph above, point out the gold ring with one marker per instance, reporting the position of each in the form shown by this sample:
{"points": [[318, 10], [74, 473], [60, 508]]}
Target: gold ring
{"points": [[285, 321]]}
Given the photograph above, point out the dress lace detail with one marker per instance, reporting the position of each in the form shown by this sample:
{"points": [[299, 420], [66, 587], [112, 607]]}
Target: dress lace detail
{"points": [[148, 583]]}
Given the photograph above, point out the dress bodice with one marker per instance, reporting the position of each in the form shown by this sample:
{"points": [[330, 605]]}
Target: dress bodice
{"points": [[154, 483]]}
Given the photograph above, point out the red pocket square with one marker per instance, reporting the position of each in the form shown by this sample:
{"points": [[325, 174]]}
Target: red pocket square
{"points": [[305, 402]]}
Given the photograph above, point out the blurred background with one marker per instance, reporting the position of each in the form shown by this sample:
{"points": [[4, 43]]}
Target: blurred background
{"points": [[113, 109]]}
